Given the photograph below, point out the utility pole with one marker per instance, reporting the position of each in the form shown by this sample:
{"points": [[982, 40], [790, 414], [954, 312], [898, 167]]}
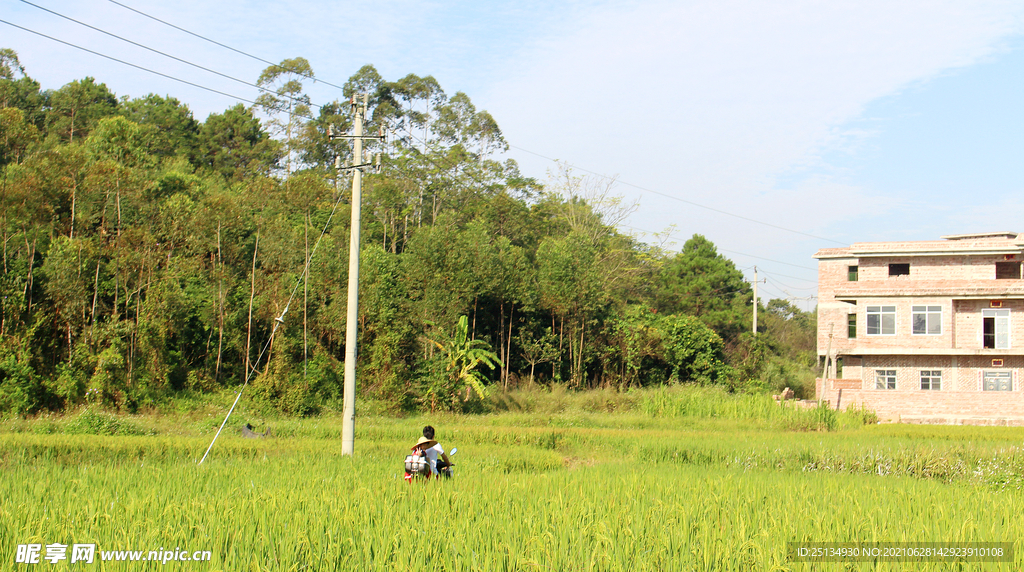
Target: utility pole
{"points": [[755, 301], [348, 423]]}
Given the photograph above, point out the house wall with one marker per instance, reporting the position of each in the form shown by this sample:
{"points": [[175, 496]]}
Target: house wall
{"points": [[959, 373], [961, 319], [951, 268], [963, 285], [832, 273], [968, 315], [963, 401]]}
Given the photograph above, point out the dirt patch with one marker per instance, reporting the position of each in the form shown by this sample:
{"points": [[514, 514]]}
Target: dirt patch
{"points": [[572, 463]]}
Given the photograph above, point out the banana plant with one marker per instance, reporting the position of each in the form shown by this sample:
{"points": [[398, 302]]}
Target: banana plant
{"points": [[462, 357]]}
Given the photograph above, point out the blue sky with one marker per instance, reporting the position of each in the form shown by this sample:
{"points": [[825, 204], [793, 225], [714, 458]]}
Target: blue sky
{"points": [[848, 121]]}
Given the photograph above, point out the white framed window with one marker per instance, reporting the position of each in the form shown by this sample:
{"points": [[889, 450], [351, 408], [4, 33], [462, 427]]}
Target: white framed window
{"points": [[997, 381], [995, 332], [881, 320], [885, 379], [931, 380], [926, 320]]}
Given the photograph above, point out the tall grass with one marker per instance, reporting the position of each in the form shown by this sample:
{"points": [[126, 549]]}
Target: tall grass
{"points": [[297, 504], [681, 402], [678, 479]]}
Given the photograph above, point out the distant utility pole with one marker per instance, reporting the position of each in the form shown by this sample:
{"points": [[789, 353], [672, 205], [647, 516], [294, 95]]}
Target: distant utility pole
{"points": [[754, 328], [348, 426]]}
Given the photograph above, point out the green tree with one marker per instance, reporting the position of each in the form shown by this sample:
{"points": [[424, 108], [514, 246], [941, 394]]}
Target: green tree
{"points": [[20, 92], [75, 108], [692, 351], [632, 356], [21, 391], [117, 149], [571, 286], [172, 129], [9, 65], [67, 282], [537, 349], [235, 145], [388, 343], [16, 135], [700, 282], [284, 102]]}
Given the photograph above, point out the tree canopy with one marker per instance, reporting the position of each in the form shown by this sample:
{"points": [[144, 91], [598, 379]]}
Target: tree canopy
{"points": [[146, 254]]}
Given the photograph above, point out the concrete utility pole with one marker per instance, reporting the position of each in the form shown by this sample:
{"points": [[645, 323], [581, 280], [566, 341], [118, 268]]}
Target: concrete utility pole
{"points": [[348, 426], [755, 301]]}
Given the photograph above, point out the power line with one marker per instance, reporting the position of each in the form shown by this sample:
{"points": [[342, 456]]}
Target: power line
{"points": [[727, 250], [413, 135], [783, 295], [310, 76], [166, 55], [682, 200], [796, 278], [784, 285], [766, 288], [225, 46], [145, 69]]}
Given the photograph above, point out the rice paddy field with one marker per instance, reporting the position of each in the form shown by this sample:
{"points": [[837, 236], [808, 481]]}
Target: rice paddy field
{"points": [[666, 480]]}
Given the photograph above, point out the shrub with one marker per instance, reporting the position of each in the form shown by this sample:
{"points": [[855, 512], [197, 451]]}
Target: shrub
{"points": [[20, 390], [90, 422]]}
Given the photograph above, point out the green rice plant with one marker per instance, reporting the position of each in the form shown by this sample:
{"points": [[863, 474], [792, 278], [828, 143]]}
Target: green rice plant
{"points": [[571, 491], [299, 504]]}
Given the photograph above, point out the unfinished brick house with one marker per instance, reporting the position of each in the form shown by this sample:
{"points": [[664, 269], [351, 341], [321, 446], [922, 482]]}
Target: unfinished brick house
{"points": [[924, 331]]}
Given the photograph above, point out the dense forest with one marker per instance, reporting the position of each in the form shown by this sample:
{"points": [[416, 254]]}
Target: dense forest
{"points": [[147, 255]]}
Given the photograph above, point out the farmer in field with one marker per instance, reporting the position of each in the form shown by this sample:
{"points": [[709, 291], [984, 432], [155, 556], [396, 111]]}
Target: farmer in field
{"points": [[432, 450]]}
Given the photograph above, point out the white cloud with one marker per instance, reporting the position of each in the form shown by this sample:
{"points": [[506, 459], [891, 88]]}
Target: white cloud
{"points": [[713, 101], [731, 104]]}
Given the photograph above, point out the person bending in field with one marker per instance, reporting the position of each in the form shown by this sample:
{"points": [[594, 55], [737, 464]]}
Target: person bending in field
{"points": [[436, 457]]}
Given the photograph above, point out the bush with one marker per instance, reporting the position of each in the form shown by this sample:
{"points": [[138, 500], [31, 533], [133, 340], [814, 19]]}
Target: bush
{"points": [[90, 422], [20, 390]]}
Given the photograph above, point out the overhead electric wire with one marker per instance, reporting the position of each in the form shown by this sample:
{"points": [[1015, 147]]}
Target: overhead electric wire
{"points": [[408, 131], [727, 250], [166, 55], [783, 295], [765, 287], [682, 200], [430, 160], [225, 46], [414, 136], [644, 189], [778, 283], [773, 273], [145, 69], [305, 273]]}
